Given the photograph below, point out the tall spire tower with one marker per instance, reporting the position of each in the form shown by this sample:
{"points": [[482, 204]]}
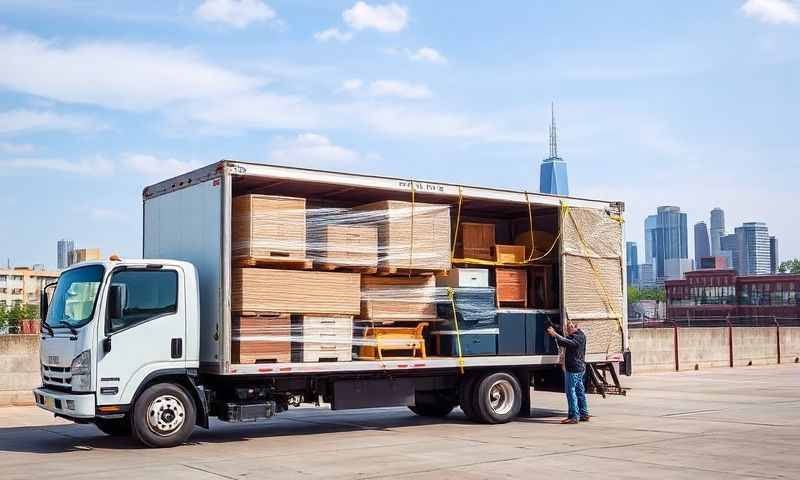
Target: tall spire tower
{"points": [[553, 171]]}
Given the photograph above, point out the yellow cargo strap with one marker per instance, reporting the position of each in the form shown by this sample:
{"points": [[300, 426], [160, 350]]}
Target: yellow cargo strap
{"points": [[530, 224], [451, 294], [458, 223]]}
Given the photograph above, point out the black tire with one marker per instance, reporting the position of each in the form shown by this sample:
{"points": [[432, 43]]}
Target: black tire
{"points": [[498, 397], [163, 416], [118, 427], [467, 398], [433, 404]]}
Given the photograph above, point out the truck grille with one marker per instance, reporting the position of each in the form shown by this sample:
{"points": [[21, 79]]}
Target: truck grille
{"points": [[57, 377]]}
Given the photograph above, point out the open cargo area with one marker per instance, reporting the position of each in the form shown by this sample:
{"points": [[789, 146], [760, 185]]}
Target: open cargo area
{"points": [[309, 271]]}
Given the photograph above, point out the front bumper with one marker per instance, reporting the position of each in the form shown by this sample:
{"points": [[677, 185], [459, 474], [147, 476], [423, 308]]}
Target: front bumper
{"points": [[65, 404]]}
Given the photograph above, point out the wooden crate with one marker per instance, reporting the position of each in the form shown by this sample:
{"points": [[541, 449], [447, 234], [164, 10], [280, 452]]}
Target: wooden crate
{"points": [[512, 286], [322, 338], [476, 240], [261, 339], [343, 245], [266, 226], [295, 291], [426, 246], [509, 253], [398, 298]]}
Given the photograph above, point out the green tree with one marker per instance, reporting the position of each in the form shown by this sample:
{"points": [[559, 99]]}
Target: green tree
{"points": [[790, 266], [3, 315]]}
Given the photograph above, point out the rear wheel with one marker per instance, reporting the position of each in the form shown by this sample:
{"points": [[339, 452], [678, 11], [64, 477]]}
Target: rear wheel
{"points": [[163, 416], [498, 397], [467, 398], [118, 427]]}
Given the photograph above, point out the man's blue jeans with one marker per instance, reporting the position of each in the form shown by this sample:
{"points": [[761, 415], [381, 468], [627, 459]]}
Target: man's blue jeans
{"points": [[576, 395]]}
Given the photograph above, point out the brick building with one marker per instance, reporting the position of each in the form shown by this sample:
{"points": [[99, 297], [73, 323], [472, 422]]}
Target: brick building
{"points": [[722, 292]]}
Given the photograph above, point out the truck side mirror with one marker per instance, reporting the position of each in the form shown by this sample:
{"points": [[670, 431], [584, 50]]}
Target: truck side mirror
{"points": [[116, 301]]}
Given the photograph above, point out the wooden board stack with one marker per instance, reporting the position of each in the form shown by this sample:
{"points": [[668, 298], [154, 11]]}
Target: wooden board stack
{"points": [[344, 245], [399, 298], [261, 339], [268, 227], [412, 236], [295, 291]]}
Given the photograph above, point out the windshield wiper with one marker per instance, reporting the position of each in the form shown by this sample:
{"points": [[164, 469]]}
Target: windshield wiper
{"points": [[49, 329], [70, 327]]}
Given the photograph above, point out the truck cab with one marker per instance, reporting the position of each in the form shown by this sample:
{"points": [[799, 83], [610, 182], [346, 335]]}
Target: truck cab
{"points": [[120, 337]]}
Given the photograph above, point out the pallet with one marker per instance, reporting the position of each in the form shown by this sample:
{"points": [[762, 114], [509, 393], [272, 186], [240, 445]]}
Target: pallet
{"points": [[386, 271], [263, 359], [275, 262], [337, 355], [331, 267]]}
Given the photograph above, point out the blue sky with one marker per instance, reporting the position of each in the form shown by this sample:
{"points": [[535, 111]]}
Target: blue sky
{"points": [[686, 103]]}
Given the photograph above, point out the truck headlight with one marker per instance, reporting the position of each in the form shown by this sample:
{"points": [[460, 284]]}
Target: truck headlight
{"points": [[81, 371]]}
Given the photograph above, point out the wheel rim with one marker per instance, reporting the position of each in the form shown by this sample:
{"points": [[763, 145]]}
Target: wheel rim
{"points": [[165, 415], [501, 397]]}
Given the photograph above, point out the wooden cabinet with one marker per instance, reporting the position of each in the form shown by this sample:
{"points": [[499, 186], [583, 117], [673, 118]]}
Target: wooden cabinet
{"points": [[540, 287], [475, 240], [512, 286]]}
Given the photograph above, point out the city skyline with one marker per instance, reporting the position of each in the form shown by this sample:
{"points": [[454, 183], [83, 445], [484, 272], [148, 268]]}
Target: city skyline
{"points": [[129, 94]]}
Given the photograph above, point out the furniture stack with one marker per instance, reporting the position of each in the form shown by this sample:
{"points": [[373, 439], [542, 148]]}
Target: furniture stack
{"points": [[268, 229]]}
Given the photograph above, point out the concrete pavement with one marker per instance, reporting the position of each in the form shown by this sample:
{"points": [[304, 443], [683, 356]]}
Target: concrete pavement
{"points": [[717, 423]]}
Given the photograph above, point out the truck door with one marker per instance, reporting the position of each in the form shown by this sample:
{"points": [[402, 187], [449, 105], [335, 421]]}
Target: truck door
{"points": [[148, 335]]}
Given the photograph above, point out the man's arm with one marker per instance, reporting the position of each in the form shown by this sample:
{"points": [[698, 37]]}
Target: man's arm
{"points": [[563, 341]]}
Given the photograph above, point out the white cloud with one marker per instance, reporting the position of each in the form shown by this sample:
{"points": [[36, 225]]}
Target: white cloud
{"points": [[385, 18], [351, 85], [235, 13], [16, 148], [97, 166], [333, 34], [19, 121], [114, 75], [153, 166], [311, 150], [426, 54], [772, 11], [395, 88]]}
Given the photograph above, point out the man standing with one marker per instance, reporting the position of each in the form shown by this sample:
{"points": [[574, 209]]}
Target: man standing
{"points": [[574, 368]]}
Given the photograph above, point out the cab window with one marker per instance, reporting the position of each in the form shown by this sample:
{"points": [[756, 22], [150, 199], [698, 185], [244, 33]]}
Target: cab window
{"points": [[146, 294]]}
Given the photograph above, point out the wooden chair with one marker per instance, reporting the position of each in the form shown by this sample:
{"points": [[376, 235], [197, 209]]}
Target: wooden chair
{"points": [[392, 339]]}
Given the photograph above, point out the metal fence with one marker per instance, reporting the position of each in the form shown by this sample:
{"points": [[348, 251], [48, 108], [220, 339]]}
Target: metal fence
{"points": [[687, 322]]}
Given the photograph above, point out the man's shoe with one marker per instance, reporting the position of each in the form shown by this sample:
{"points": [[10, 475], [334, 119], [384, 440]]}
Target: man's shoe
{"points": [[567, 421], [586, 418]]}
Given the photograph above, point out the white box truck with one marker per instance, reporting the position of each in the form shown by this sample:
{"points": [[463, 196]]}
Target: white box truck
{"points": [[143, 347]]}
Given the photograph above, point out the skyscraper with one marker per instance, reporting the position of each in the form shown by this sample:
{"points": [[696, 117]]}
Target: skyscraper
{"points": [[65, 248], [632, 257], [774, 258], [553, 171], [650, 224], [671, 238], [717, 230], [729, 248], [701, 246], [752, 240]]}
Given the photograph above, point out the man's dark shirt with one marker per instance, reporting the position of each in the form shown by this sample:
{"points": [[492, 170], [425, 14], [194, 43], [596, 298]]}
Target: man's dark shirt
{"points": [[575, 350]]}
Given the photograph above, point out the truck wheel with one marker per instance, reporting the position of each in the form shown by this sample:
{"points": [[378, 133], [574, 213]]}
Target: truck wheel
{"points": [[163, 416], [432, 404], [467, 398], [117, 427], [498, 397]]}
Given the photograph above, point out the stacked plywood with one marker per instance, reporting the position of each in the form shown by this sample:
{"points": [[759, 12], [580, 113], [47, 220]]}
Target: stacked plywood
{"points": [[265, 226], [261, 339], [398, 298], [322, 338], [295, 291], [344, 245], [410, 236]]}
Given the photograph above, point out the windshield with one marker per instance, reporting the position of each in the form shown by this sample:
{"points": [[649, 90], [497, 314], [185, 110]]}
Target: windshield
{"points": [[75, 297]]}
